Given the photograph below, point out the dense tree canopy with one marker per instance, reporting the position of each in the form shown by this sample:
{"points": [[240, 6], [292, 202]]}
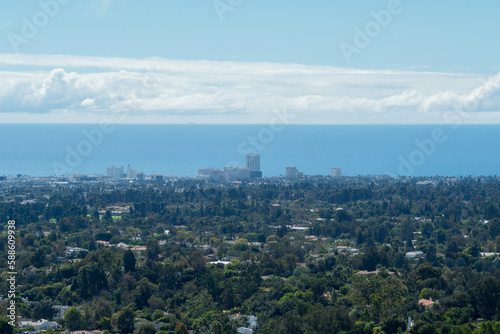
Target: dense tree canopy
{"points": [[347, 255]]}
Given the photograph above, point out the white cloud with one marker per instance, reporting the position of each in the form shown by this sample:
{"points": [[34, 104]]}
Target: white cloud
{"points": [[220, 92]]}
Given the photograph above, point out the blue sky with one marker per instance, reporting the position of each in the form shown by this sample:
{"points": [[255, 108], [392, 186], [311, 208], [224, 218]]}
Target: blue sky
{"points": [[448, 44]]}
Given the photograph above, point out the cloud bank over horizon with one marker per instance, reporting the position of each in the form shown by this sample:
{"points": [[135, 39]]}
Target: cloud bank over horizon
{"points": [[75, 89]]}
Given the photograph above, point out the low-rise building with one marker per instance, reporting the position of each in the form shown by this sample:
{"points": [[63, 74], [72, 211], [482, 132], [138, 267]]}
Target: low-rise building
{"points": [[252, 322], [73, 250], [426, 302], [30, 270], [244, 330], [234, 173], [414, 255], [38, 325]]}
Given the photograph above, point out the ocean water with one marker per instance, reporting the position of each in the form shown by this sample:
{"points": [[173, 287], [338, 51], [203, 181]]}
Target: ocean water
{"points": [[44, 150]]}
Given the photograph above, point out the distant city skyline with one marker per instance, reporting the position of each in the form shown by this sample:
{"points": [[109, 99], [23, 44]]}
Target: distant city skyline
{"points": [[43, 150], [228, 174]]}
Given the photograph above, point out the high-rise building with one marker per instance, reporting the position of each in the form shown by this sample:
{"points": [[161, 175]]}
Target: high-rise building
{"points": [[233, 173], [253, 162], [291, 172], [131, 173], [115, 172], [335, 172]]}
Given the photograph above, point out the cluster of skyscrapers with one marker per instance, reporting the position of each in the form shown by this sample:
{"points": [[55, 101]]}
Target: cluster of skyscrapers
{"points": [[251, 171], [228, 174], [119, 172], [234, 173]]}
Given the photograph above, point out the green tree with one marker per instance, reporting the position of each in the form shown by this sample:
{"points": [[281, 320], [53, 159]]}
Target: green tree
{"points": [[42, 310], [5, 328], [199, 304], [422, 327], [39, 258], [490, 327], [393, 325], [428, 277], [152, 250], [157, 314], [124, 321], [325, 320], [430, 255], [73, 319], [217, 327], [91, 280], [487, 295], [104, 323], [108, 217], [146, 328], [428, 293], [102, 308], [129, 261]]}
